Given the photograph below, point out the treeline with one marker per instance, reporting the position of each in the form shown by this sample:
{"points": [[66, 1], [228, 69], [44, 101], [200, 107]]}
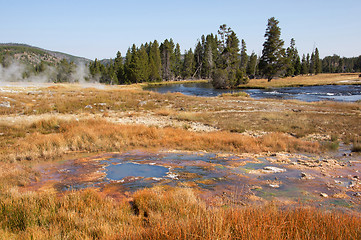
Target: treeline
{"points": [[220, 57], [152, 62]]}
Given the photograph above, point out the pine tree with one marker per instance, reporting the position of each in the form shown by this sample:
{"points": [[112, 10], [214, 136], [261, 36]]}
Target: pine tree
{"points": [[210, 55], [188, 64], [308, 62], [198, 59], [142, 65], [252, 64], [228, 73], [244, 56], [318, 63], [132, 67], [127, 66], [304, 65], [297, 66], [119, 68], [272, 61], [155, 66], [166, 51], [340, 68], [177, 65], [208, 60], [291, 59], [64, 70], [94, 69], [312, 63]]}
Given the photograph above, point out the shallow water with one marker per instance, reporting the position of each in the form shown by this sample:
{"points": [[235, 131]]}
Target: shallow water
{"points": [[129, 169], [346, 93], [218, 175]]}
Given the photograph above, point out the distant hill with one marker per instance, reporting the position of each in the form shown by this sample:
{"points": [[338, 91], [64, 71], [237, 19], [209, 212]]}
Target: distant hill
{"points": [[33, 55]]}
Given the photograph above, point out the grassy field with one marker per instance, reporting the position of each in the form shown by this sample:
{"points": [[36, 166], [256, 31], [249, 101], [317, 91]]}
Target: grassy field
{"points": [[161, 213], [311, 80], [47, 122]]}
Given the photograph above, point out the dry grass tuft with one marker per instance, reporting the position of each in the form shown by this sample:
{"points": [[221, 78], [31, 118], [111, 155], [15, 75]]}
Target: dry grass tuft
{"points": [[161, 213], [52, 138]]}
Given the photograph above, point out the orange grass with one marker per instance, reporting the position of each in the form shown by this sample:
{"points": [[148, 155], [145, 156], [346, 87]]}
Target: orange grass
{"points": [[55, 138], [162, 213]]}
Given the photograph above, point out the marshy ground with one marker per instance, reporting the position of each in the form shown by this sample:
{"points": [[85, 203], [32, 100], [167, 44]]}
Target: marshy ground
{"points": [[233, 158]]}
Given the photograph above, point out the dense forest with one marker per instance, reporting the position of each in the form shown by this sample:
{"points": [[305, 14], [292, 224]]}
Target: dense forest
{"points": [[221, 57]]}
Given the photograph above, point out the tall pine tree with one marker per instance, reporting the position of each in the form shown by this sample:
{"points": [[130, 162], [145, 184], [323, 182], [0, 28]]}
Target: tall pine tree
{"points": [[272, 61], [155, 65]]}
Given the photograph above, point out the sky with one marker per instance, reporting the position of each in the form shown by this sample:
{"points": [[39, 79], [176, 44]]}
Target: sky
{"points": [[98, 29]]}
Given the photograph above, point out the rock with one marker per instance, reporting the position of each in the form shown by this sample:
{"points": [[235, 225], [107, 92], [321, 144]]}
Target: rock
{"points": [[270, 169], [352, 184], [89, 106], [274, 185], [324, 195], [142, 103], [5, 104], [306, 176], [356, 194], [309, 163]]}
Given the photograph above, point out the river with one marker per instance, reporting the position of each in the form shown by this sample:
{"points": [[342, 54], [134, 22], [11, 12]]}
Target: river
{"points": [[343, 93]]}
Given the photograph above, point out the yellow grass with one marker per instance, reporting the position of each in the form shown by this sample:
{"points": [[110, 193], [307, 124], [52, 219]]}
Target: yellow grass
{"points": [[161, 213], [320, 79], [52, 138]]}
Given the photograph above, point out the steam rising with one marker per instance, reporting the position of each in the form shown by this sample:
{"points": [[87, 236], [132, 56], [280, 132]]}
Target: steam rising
{"points": [[18, 72]]}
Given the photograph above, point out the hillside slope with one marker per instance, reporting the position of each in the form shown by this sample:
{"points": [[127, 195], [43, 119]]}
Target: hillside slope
{"points": [[33, 55]]}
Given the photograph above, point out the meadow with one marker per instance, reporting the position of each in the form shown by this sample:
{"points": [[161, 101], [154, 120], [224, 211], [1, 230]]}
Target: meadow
{"points": [[48, 123]]}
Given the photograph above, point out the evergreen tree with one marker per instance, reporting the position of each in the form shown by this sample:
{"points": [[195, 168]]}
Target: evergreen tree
{"points": [[198, 59], [340, 68], [357, 64], [292, 59], [304, 65], [177, 65], [297, 66], [228, 73], [244, 56], [64, 71], [188, 64], [308, 61], [272, 61], [41, 67], [94, 69], [142, 65], [252, 64], [312, 63], [318, 63], [108, 74], [208, 60], [166, 51], [119, 68], [155, 66], [127, 66]]}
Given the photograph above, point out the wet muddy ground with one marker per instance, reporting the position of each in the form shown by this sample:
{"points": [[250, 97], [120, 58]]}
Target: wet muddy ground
{"points": [[328, 180]]}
